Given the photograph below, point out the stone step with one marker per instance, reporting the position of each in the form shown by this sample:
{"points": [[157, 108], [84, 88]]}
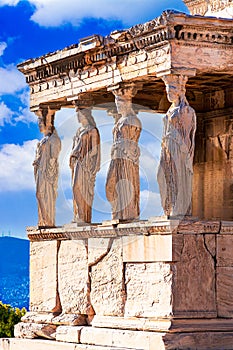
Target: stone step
{"points": [[164, 325], [91, 338], [39, 344]]}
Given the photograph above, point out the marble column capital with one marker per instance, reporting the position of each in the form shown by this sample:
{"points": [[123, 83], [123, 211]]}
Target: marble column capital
{"points": [[46, 113], [84, 101], [125, 91], [175, 79]]}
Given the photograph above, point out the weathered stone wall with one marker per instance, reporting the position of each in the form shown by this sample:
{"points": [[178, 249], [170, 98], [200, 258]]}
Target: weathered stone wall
{"points": [[43, 276], [213, 163], [186, 274], [107, 290], [167, 283], [73, 276]]}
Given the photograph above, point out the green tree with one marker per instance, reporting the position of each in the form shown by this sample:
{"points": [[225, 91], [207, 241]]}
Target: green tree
{"points": [[9, 316]]}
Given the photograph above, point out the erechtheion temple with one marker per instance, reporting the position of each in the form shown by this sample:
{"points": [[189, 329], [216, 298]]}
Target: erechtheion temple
{"points": [[126, 283]]}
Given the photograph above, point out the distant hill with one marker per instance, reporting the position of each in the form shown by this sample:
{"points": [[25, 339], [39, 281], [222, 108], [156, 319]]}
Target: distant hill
{"points": [[14, 271]]}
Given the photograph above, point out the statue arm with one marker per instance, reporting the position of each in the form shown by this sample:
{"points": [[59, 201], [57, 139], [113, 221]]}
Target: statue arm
{"points": [[76, 150], [37, 160], [55, 147], [54, 144], [95, 151]]}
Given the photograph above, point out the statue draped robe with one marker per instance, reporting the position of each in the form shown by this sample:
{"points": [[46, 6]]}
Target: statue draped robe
{"points": [[122, 185], [85, 163], [175, 170], [46, 178]]}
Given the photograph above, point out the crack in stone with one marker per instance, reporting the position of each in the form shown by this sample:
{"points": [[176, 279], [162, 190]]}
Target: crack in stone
{"points": [[214, 257], [57, 310], [206, 247], [91, 311], [102, 256], [182, 248]]}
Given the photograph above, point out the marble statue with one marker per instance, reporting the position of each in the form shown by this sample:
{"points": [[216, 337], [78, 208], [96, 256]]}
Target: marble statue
{"points": [[122, 184], [84, 164], [46, 169], [175, 170]]}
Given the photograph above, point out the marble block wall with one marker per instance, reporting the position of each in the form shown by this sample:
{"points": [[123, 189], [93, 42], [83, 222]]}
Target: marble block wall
{"points": [[213, 163], [184, 274]]}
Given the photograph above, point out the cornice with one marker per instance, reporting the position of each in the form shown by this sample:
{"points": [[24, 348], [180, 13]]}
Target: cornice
{"points": [[156, 226], [97, 51], [201, 7]]}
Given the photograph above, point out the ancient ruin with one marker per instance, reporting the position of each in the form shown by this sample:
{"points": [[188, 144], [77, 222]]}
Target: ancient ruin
{"points": [[46, 168], [175, 172], [161, 283], [84, 163], [122, 185]]}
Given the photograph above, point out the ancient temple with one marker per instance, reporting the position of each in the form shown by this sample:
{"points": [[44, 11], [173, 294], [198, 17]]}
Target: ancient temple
{"points": [[161, 283]]}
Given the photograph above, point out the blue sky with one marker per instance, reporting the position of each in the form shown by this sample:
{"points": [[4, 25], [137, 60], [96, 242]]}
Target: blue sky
{"points": [[31, 28]]}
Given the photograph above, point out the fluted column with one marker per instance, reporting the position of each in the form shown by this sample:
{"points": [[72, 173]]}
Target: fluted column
{"points": [[175, 171], [123, 185]]}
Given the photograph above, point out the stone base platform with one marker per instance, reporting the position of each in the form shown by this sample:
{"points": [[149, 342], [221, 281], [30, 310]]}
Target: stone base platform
{"points": [[146, 285], [39, 344], [183, 335]]}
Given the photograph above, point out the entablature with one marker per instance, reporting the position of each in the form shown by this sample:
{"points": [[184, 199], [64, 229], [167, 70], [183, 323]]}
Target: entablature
{"points": [[143, 53]]}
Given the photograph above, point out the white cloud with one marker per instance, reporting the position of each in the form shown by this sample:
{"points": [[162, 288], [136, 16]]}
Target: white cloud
{"points": [[16, 171], [150, 204], [11, 80], [5, 114], [25, 116], [9, 2], [3, 46], [57, 12]]}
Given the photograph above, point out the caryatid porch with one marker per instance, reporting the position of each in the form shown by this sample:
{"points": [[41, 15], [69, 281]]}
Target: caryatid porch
{"points": [[162, 284], [197, 47]]}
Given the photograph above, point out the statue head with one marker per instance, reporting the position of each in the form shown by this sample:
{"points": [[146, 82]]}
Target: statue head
{"points": [[175, 87], [46, 120], [85, 117], [114, 113], [41, 123], [124, 106], [123, 99]]}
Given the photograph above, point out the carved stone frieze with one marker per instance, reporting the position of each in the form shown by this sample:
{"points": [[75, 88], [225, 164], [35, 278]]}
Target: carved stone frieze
{"points": [[210, 7], [197, 6], [143, 50]]}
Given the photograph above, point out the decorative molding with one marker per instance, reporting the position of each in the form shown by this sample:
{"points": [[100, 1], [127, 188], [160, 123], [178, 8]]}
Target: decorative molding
{"points": [[202, 7], [97, 52], [166, 226]]}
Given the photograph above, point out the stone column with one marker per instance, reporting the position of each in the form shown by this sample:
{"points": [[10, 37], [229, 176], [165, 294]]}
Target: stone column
{"points": [[84, 161], [46, 167], [44, 295], [122, 185], [175, 171]]}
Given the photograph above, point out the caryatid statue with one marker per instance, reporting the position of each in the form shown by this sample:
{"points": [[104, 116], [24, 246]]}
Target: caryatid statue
{"points": [[46, 168], [122, 185], [175, 170], [84, 164]]}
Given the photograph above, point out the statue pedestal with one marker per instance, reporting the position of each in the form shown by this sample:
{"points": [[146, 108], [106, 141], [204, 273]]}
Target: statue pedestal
{"points": [[163, 284]]}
